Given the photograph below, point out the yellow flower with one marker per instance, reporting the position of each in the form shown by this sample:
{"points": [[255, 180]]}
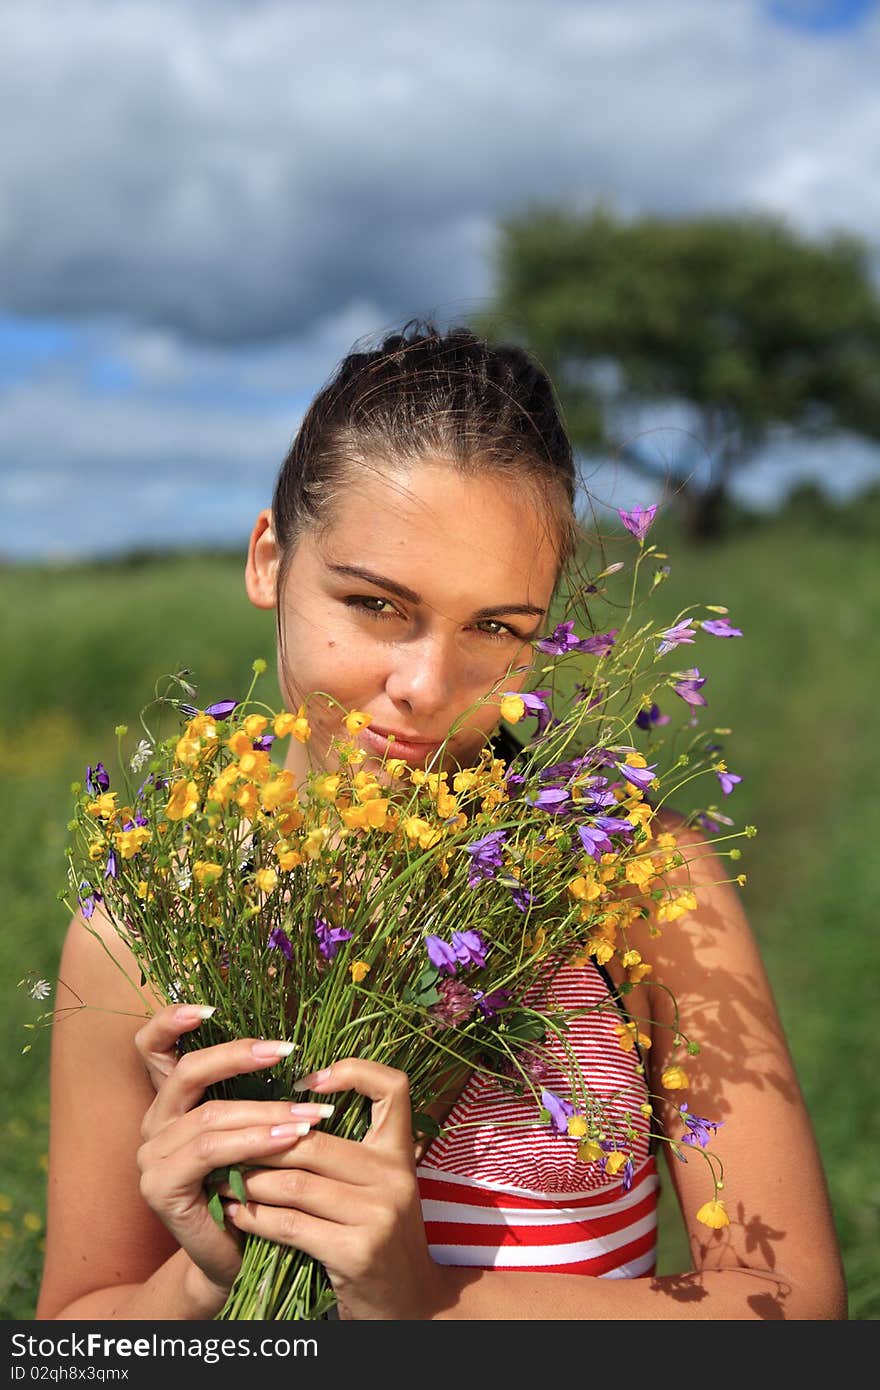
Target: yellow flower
{"points": [[463, 781], [631, 958], [266, 880], [104, 807], [287, 858], [634, 760], [589, 1151], [359, 969], [638, 972], [5, 1202], [540, 854], [315, 841], [642, 815], [370, 816], [646, 1110], [512, 709], [602, 950], [677, 906], [187, 751], [351, 755], [327, 785], [577, 1126], [130, 842], [248, 798], [582, 889], [183, 802], [396, 767], [206, 873], [279, 791], [254, 725], [640, 871], [256, 765], [357, 720], [366, 786], [142, 889], [420, 830], [614, 1162], [301, 728], [714, 1214], [628, 1035], [290, 821], [97, 850], [447, 804], [32, 1221], [674, 1078], [535, 940]]}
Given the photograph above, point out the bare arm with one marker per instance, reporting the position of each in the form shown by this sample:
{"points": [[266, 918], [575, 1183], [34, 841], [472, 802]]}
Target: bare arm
{"points": [[107, 1255]]}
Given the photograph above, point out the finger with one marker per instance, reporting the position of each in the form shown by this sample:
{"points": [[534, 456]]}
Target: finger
{"points": [[157, 1040], [197, 1070], [387, 1088], [327, 1241], [342, 1160], [190, 1163], [237, 1114], [302, 1190]]}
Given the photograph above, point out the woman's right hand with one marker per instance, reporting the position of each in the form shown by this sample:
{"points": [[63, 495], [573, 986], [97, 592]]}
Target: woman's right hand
{"points": [[184, 1140]]}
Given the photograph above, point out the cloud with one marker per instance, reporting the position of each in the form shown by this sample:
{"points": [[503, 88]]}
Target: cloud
{"points": [[230, 172]]}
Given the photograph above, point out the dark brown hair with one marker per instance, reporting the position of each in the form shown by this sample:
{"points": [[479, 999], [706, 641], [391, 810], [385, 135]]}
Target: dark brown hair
{"points": [[424, 395]]}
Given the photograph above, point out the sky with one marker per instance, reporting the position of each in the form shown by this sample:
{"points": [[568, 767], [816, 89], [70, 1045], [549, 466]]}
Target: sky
{"points": [[205, 204]]}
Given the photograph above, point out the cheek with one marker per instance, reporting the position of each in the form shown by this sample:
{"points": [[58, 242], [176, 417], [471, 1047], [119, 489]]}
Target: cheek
{"points": [[347, 667]]}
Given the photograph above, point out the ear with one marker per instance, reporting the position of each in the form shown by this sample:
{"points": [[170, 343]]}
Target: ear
{"points": [[262, 562]]}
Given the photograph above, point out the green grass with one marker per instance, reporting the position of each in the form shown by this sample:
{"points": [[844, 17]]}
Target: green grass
{"points": [[83, 646]]}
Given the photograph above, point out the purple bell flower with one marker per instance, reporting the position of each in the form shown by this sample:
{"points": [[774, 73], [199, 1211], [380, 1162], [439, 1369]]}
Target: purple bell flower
{"points": [[280, 941], [441, 955]]}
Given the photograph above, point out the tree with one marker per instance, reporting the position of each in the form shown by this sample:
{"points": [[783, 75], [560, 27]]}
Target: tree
{"points": [[746, 324]]}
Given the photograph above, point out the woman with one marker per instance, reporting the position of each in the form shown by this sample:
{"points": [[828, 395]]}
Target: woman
{"points": [[419, 527]]}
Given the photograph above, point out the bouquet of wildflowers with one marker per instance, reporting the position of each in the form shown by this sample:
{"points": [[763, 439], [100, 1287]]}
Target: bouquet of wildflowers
{"points": [[405, 914]]}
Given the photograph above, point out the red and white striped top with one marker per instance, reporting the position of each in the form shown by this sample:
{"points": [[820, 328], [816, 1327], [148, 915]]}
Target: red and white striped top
{"points": [[501, 1190]]}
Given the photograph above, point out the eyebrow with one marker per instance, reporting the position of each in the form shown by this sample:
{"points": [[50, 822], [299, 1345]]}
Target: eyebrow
{"points": [[410, 596]]}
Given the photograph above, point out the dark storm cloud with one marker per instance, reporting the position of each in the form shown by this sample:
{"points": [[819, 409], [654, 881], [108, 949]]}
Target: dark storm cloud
{"points": [[236, 171]]}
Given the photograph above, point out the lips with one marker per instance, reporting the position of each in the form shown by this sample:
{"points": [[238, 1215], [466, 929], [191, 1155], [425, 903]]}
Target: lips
{"points": [[400, 737], [389, 743]]}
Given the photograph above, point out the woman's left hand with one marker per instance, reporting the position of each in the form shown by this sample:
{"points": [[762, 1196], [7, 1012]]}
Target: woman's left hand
{"points": [[352, 1205]]}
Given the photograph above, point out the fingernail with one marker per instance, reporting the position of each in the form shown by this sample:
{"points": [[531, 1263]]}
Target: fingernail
{"points": [[271, 1050], [194, 1013], [288, 1131], [308, 1111], [314, 1078]]}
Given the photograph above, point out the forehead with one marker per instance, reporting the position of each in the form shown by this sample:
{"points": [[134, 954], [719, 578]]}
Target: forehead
{"points": [[443, 532]]}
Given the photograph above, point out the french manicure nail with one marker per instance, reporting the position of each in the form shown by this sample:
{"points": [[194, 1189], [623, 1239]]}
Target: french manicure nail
{"points": [[307, 1110], [289, 1131], [194, 1013], [314, 1078], [266, 1051]]}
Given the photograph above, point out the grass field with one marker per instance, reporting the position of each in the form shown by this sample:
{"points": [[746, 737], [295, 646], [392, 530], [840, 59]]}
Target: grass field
{"points": [[84, 646]]}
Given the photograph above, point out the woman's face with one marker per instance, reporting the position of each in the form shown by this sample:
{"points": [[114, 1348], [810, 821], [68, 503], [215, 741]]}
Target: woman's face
{"points": [[417, 601]]}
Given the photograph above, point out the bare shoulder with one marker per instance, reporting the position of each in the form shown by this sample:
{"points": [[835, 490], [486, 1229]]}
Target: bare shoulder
{"points": [[99, 1230], [713, 992]]}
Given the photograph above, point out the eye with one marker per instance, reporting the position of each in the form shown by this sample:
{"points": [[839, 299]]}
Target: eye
{"points": [[492, 628], [371, 604]]}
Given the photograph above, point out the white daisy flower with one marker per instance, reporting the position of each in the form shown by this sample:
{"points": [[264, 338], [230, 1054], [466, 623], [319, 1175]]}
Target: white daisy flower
{"points": [[40, 989], [141, 755]]}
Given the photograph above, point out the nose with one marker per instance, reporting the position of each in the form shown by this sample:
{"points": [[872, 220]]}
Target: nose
{"points": [[423, 677]]}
